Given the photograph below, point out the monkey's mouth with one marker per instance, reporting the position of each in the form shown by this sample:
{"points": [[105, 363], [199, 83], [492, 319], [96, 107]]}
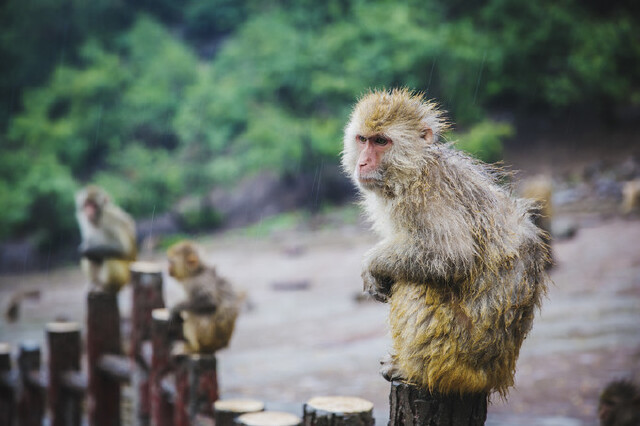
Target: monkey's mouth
{"points": [[369, 182]]}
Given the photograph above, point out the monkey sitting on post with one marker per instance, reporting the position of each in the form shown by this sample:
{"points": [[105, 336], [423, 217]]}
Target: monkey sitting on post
{"points": [[108, 239], [209, 313], [460, 261]]}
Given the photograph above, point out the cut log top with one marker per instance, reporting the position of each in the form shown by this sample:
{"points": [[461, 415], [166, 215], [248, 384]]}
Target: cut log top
{"points": [[340, 404], [62, 327], [239, 405], [160, 314], [146, 267], [269, 418]]}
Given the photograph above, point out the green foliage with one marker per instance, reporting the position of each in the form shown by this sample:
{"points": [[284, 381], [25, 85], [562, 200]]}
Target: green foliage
{"points": [[277, 223], [484, 140], [38, 200], [208, 18], [98, 92], [144, 181]]}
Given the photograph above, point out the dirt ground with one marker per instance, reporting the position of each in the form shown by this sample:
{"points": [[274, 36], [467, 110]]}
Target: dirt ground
{"points": [[304, 333]]}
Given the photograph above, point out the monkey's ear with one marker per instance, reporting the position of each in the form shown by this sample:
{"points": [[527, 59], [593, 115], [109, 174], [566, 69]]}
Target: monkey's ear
{"points": [[427, 135]]}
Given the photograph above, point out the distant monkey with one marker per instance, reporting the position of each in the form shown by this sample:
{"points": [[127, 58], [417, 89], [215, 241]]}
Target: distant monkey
{"points": [[211, 307], [12, 309], [460, 261], [620, 404], [108, 239], [630, 197]]}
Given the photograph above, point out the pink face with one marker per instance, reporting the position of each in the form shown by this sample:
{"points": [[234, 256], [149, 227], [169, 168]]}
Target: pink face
{"points": [[90, 210], [371, 150]]}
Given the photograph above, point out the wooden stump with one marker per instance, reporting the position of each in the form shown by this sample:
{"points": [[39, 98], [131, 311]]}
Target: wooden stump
{"points": [[64, 356], [227, 410], [31, 402], [412, 406], [269, 418], [338, 411], [103, 338], [196, 387], [7, 391], [146, 283], [163, 334]]}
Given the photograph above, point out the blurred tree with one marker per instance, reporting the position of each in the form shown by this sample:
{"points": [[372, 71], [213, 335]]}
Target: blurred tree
{"points": [[38, 35], [98, 92], [484, 140]]}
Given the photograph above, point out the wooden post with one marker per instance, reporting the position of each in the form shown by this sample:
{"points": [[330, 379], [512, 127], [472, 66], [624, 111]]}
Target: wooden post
{"points": [[196, 387], [227, 410], [64, 356], [7, 390], [181, 375], [271, 418], [31, 402], [163, 334], [338, 411], [146, 282], [412, 406], [103, 337]]}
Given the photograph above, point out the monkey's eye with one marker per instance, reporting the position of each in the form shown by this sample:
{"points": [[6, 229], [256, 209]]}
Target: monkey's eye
{"points": [[361, 138], [381, 141]]}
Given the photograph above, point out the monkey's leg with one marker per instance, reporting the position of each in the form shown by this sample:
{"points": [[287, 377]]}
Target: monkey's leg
{"points": [[92, 271], [190, 331], [114, 274]]}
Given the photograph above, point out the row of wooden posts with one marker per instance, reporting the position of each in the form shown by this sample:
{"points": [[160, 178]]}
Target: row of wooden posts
{"points": [[169, 387], [162, 388]]}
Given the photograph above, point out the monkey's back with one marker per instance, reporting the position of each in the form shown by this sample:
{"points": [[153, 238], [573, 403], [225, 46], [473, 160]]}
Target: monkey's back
{"points": [[208, 333]]}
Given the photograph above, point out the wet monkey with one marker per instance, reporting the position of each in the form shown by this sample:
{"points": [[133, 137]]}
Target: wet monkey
{"points": [[210, 310], [108, 239], [459, 261]]}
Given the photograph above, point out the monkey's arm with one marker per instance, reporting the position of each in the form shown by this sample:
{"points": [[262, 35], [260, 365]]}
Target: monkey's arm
{"points": [[409, 260], [198, 302], [100, 252]]}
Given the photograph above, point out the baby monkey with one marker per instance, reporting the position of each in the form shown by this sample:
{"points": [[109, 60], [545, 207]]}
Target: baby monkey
{"points": [[209, 313], [460, 261]]}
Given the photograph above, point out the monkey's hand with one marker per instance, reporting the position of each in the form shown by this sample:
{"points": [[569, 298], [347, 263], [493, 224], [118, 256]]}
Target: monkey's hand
{"points": [[377, 276], [175, 319], [378, 287]]}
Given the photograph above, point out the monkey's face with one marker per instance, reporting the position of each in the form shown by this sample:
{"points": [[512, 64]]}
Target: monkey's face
{"points": [[371, 150], [184, 261], [385, 139], [90, 202], [92, 211]]}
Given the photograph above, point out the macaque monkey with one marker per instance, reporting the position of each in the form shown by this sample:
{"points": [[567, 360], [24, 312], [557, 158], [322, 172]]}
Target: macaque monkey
{"points": [[209, 313], [630, 197], [12, 309], [460, 261], [620, 404], [108, 239]]}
